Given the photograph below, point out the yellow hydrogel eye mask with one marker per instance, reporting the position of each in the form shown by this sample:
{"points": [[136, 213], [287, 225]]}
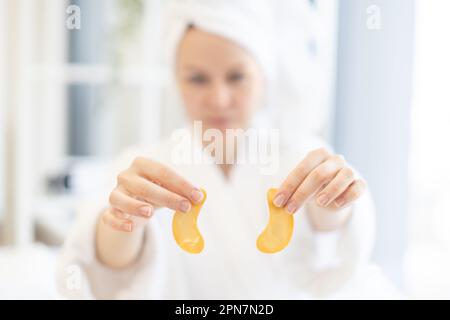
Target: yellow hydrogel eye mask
{"points": [[185, 230], [278, 232]]}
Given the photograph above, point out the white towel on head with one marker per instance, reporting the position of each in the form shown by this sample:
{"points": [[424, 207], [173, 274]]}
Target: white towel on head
{"points": [[249, 23]]}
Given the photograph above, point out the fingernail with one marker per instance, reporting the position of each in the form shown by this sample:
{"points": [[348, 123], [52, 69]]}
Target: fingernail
{"points": [[123, 215], [339, 202], [291, 208], [279, 200], [322, 200], [185, 206], [196, 195], [145, 211], [127, 226]]}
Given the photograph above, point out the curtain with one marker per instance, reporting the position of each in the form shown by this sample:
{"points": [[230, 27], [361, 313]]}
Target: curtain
{"points": [[372, 116]]}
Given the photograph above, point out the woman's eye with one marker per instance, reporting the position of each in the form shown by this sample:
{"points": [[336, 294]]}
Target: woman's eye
{"points": [[198, 79], [236, 77]]}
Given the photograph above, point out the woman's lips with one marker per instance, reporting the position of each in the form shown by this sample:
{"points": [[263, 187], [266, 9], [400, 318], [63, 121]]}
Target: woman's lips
{"points": [[219, 122]]}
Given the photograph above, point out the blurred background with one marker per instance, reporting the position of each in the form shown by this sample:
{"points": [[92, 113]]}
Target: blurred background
{"points": [[80, 80]]}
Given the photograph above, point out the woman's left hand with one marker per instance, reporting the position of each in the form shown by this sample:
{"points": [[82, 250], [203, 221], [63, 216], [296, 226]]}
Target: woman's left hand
{"points": [[321, 177]]}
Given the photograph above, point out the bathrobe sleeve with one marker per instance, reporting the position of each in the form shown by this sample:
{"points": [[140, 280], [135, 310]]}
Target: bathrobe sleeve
{"points": [[331, 259], [350, 245], [80, 275]]}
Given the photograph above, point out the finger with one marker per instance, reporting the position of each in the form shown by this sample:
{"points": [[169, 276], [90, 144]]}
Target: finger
{"points": [[153, 193], [296, 177], [120, 214], [321, 175], [119, 224], [353, 192], [168, 179], [127, 204], [336, 187]]}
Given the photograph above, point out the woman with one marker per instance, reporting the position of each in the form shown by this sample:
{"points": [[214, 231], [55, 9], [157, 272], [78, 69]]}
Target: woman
{"points": [[222, 73]]}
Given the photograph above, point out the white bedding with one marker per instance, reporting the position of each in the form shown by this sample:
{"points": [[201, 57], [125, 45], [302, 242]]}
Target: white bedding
{"points": [[28, 272]]}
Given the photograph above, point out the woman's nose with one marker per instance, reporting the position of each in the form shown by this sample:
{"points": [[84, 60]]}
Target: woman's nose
{"points": [[219, 96]]}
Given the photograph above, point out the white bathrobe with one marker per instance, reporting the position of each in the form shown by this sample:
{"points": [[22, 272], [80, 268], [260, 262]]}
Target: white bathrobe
{"points": [[314, 265]]}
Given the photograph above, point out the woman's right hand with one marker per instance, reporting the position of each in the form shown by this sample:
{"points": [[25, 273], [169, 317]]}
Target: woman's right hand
{"points": [[142, 188]]}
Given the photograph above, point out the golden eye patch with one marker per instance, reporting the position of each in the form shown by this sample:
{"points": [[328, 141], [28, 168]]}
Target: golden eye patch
{"points": [[278, 232], [185, 230]]}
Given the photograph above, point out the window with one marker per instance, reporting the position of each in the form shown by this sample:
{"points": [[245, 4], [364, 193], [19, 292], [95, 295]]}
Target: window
{"points": [[428, 259], [88, 85], [94, 53]]}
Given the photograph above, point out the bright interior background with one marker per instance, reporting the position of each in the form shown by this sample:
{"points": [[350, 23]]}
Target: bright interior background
{"points": [[70, 100]]}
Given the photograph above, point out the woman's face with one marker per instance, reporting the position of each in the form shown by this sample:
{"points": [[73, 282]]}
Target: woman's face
{"points": [[220, 82]]}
